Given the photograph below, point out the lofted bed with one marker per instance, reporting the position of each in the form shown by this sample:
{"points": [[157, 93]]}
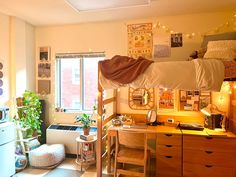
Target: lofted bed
{"points": [[197, 74]]}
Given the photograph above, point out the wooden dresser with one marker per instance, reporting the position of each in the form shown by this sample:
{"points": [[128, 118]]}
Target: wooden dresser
{"points": [[207, 155], [169, 153]]}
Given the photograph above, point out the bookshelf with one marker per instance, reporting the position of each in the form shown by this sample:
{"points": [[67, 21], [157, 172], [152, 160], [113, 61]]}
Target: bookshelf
{"points": [[86, 152]]}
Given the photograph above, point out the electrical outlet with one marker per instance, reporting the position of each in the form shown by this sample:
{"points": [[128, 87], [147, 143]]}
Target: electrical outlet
{"points": [[170, 120]]}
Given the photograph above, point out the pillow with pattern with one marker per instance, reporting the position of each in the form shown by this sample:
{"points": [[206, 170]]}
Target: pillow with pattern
{"points": [[225, 50]]}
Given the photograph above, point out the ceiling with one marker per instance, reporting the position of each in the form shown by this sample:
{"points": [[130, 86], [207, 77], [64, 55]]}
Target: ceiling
{"points": [[58, 12]]}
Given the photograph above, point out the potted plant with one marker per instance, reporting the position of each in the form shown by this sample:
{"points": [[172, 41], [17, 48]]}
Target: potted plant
{"points": [[29, 114], [86, 121]]}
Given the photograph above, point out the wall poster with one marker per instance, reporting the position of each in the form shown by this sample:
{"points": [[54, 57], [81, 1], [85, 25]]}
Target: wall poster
{"points": [[161, 46], [166, 99], [140, 40]]}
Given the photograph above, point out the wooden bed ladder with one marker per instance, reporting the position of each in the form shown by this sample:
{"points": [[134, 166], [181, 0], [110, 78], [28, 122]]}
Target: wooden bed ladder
{"points": [[103, 122]]}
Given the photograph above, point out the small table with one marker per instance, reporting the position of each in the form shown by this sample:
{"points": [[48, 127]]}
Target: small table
{"points": [[85, 152]]}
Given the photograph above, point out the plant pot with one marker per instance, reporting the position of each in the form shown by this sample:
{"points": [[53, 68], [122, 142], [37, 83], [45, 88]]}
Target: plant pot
{"points": [[19, 101], [86, 131]]}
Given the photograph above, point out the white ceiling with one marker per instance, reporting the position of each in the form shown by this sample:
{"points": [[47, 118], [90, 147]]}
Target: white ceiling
{"points": [[57, 12]]}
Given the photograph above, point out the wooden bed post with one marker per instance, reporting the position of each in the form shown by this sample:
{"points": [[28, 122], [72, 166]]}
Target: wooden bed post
{"points": [[99, 129]]}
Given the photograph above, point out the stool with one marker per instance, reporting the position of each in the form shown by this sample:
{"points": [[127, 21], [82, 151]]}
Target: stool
{"points": [[86, 152], [47, 156]]}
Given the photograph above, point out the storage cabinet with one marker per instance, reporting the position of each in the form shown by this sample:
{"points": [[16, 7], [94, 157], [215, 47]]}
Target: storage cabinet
{"points": [[207, 156], [169, 155]]}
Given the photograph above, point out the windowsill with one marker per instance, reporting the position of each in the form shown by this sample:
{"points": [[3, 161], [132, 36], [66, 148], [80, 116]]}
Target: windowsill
{"points": [[77, 112]]}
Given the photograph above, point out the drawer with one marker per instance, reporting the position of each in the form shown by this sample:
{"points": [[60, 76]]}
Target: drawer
{"points": [[195, 170], [169, 150], [168, 166], [169, 139], [221, 144], [210, 158], [166, 174]]}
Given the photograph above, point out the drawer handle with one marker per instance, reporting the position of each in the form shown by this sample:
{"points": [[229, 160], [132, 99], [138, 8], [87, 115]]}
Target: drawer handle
{"points": [[168, 145], [209, 152], [169, 157], [168, 134], [208, 166], [208, 137]]}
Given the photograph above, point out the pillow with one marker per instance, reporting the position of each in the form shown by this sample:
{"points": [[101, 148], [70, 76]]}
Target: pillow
{"points": [[225, 50], [217, 37]]}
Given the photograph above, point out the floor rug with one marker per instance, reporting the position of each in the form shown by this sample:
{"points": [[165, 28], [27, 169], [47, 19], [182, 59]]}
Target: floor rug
{"points": [[61, 172]]}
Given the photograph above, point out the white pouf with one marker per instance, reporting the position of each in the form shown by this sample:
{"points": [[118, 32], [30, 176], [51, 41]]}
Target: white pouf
{"points": [[47, 156]]}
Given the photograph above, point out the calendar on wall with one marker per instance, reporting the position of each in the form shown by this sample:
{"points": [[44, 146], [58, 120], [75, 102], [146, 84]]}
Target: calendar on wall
{"points": [[140, 40]]}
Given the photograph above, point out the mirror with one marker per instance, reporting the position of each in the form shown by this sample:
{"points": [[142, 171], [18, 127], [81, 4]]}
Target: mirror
{"points": [[151, 117], [141, 98]]}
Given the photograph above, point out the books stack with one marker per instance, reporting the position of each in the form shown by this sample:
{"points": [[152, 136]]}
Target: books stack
{"points": [[31, 143], [87, 137], [88, 155]]}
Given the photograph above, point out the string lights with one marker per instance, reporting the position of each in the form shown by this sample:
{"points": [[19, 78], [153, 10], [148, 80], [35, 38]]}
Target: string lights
{"points": [[227, 87], [218, 29]]}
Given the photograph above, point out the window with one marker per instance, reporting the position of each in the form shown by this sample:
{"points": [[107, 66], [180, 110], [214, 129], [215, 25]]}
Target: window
{"points": [[77, 78]]}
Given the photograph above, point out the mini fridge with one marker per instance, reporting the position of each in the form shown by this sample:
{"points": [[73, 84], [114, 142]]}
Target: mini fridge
{"points": [[7, 149]]}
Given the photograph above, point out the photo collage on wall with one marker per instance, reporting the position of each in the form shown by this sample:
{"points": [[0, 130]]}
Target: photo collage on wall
{"points": [[194, 100], [44, 71]]}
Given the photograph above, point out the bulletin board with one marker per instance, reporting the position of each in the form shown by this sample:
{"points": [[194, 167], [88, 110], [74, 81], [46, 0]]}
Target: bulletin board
{"points": [[193, 100], [140, 40]]}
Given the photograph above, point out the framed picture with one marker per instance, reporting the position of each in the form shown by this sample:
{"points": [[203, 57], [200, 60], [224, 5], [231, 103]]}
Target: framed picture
{"points": [[44, 87], [44, 70], [166, 99], [44, 53], [176, 40]]}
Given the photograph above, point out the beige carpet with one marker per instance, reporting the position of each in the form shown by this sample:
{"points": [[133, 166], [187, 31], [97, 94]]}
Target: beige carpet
{"points": [[61, 172]]}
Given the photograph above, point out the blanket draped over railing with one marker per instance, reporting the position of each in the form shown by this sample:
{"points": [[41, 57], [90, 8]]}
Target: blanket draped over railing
{"points": [[123, 69]]}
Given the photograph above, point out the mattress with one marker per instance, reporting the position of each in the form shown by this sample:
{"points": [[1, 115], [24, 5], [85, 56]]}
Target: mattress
{"points": [[187, 75]]}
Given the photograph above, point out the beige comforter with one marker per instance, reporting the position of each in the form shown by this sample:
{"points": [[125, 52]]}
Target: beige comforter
{"points": [[187, 75]]}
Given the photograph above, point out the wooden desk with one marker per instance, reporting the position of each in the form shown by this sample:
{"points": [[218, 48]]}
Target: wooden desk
{"points": [[165, 136], [151, 134]]}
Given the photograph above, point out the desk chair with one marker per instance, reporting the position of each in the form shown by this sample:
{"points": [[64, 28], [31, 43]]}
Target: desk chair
{"points": [[131, 148]]}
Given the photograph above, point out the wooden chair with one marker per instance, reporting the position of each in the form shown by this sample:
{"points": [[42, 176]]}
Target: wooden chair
{"points": [[131, 148]]}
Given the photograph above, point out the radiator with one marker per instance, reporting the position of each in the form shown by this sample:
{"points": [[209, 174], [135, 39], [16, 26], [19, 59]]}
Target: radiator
{"points": [[66, 134]]}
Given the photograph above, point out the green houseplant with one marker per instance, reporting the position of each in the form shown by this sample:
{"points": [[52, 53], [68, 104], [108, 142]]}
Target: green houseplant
{"points": [[86, 121], [29, 114]]}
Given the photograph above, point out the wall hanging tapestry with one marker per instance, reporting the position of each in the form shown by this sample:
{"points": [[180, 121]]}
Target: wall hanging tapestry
{"points": [[140, 40]]}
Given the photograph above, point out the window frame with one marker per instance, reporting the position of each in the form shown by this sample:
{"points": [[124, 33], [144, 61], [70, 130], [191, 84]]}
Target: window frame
{"points": [[81, 57]]}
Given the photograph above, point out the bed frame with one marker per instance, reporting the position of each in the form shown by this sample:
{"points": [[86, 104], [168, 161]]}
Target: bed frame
{"points": [[108, 99], [105, 117]]}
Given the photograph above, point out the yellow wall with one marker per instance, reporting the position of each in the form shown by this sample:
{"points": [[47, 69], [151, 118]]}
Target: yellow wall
{"points": [[4, 57], [111, 37], [17, 53]]}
